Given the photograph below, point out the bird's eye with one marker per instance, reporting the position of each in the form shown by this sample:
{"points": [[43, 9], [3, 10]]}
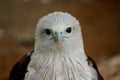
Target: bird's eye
{"points": [[68, 30], [47, 31]]}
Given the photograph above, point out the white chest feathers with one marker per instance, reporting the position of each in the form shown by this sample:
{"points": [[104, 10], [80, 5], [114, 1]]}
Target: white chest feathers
{"points": [[59, 68]]}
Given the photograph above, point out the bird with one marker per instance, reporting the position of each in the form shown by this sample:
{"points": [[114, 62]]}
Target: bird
{"points": [[58, 52]]}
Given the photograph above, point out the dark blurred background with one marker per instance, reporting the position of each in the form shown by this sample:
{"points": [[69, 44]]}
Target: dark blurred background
{"points": [[100, 21]]}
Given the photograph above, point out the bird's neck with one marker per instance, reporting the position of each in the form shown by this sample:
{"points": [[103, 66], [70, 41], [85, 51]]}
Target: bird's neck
{"points": [[64, 50], [58, 65], [72, 47]]}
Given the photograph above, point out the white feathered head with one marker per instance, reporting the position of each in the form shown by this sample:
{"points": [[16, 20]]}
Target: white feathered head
{"points": [[58, 31]]}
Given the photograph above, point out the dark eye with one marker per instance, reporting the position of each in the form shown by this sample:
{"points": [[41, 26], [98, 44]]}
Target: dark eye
{"points": [[47, 31], [68, 30]]}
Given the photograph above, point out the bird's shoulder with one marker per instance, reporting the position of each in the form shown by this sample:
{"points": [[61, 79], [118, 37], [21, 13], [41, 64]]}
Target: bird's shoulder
{"points": [[93, 64], [20, 68]]}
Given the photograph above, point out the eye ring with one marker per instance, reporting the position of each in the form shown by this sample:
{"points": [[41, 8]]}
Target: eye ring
{"points": [[68, 30], [48, 31]]}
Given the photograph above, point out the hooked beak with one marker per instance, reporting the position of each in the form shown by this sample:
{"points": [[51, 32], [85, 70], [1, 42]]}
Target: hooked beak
{"points": [[58, 37]]}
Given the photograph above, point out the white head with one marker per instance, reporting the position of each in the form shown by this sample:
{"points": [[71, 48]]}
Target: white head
{"points": [[56, 32]]}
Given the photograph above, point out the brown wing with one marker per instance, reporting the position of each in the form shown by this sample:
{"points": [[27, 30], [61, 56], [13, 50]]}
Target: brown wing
{"points": [[92, 63], [20, 68]]}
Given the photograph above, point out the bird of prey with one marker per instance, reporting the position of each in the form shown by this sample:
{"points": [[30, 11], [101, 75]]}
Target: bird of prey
{"points": [[58, 53]]}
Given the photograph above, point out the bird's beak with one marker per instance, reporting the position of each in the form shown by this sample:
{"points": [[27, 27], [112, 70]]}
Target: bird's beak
{"points": [[58, 37]]}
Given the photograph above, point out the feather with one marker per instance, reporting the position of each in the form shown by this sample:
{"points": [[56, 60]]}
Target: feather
{"points": [[92, 64], [20, 68]]}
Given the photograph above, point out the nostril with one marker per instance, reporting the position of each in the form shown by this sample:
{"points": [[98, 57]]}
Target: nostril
{"points": [[58, 33]]}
